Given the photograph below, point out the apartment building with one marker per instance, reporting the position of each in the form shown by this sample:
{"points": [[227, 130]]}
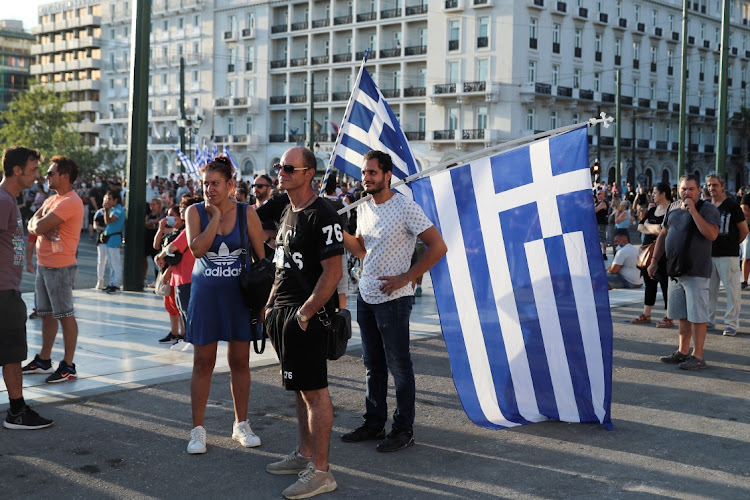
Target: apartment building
{"points": [[15, 60], [496, 70], [68, 56]]}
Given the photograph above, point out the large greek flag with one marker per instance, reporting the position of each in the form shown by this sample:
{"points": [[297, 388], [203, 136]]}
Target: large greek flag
{"points": [[522, 292], [369, 124]]}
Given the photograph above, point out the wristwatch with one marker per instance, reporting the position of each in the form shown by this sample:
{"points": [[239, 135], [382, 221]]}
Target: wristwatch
{"points": [[301, 317]]}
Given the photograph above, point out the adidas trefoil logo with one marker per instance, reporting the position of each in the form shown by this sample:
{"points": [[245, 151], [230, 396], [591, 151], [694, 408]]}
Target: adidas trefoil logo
{"points": [[224, 257]]}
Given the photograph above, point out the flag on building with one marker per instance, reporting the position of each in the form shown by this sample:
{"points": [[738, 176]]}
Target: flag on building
{"points": [[522, 291], [369, 124]]}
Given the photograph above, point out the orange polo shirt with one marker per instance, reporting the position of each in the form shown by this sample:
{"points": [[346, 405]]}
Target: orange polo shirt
{"points": [[69, 208]]}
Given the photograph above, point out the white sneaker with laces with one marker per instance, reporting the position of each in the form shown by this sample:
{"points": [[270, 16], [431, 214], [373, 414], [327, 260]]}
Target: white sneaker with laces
{"points": [[178, 346], [188, 347], [197, 442], [242, 433]]}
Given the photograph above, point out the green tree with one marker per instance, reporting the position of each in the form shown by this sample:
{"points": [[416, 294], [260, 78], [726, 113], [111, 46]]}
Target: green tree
{"points": [[36, 119]]}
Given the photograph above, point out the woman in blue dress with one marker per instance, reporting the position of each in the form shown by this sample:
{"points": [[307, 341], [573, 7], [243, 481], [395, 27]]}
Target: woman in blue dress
{"points": [[216, 310]]}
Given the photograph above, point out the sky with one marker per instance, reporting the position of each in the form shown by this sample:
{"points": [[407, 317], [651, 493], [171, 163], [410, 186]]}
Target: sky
{"points": [[25, 10]]}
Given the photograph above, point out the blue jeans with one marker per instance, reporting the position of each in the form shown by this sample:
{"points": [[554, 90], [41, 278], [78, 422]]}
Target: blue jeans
{"points": [[385, 343]]}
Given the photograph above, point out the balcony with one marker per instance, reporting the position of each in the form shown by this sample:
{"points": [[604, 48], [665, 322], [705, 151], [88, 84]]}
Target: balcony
{"points": [[640, 27], [297, 99], [475, 86], [230, 68], [447, 88], [390, 53], [481, 3], [577, 51], [248, 33], [653, 67], [279, 28], [416, 50], [706, 44], [414, 136], [691, 40], [277, 138], [230, 36], [618, 60], [415, 92], [662, 145], [626, 100], [416, 10], [586, 94], [694, 110], [443, 135], [338, 58], [564, 91], [302, 25], [602, 18], [340, 96], [390, 13], [642, 143], [708, 148], [675, 37], [248, 66], [670, 70], [321, 97], [622, 24], [483, 42], [583, 13], [675, 107], [561, 8], [626, 142], [342, 20], [319, 60], [361, 55], [367, 16], [389, 93], [278, 99], [297, 61], [607, 141], [662, 106], [321, 23], [710, 112], [452, 44], [598, 56], [555, 48], [532, 43], [656, 32], [473, 134]]}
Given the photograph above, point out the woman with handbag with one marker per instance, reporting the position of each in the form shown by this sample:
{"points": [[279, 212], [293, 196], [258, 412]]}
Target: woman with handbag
{"points": [[169, 228], [650, 226], [217, 311]]}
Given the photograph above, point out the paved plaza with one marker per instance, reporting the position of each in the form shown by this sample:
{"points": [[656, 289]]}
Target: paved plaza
{"points": [[121, 429]]}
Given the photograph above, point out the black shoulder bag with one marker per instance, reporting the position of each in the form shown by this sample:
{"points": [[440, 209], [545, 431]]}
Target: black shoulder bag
{"points": [[338, 326], [255, 282], [678, 264]]}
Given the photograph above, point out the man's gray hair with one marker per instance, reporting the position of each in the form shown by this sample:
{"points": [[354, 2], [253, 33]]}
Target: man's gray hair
{"points": [[718, 177]]}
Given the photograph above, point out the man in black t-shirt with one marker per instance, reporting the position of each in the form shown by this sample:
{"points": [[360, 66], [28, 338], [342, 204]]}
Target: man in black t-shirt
{"points": [[309, 246], [602, 211], [724, 253]]}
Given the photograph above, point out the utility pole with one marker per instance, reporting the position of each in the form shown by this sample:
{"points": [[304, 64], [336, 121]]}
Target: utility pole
{"points": [[310, 120], [721, 129], [137, 146], [683, 91], [618, 130]]}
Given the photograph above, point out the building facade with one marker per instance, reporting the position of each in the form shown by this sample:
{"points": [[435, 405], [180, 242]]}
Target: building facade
{"points": [[496, 70], [15, 60]]}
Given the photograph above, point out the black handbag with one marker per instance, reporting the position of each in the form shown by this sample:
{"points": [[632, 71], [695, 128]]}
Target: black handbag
{"points": [[257, 279]]}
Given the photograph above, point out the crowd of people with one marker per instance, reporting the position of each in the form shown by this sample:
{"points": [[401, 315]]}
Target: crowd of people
{"points": [[195, 232], [693, 238]]}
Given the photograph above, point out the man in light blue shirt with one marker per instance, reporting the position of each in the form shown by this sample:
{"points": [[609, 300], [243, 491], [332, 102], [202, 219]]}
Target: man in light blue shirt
{"points": [[114, 218]]}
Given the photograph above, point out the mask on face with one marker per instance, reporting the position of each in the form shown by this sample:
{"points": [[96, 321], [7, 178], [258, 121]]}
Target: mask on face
{"points": [[171, 221], [98, 184], [618, 248]]}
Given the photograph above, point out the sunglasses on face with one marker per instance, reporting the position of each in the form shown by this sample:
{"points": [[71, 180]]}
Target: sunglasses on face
{"points": [[286, 168], [262, 185]]}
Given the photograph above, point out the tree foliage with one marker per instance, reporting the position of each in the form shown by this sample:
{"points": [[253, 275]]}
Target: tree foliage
{"points": [[36, 119]]}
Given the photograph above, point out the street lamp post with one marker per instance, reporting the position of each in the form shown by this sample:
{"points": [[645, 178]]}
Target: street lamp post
{"points": [[189, 124]]}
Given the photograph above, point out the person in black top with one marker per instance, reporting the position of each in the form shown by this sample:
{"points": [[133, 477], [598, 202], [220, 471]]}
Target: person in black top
{"points": [[602, 212], [650, 226], [309, 246], [724, 255], [745, 206]]}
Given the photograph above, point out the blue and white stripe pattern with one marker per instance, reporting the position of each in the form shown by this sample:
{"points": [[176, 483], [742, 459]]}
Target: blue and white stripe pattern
{"points": [[190, 167], [229, 155], [522, 291], [369, 124]]}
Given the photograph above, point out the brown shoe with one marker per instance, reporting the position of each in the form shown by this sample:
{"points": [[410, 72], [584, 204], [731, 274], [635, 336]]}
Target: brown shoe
{"points": [[641, 320], [665, 323]]}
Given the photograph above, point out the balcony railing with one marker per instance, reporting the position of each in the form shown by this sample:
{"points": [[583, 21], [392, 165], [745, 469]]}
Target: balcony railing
{"points": [[296, 99], [662, 105], [606, 97], [472, 134], [279, 63], [564, 91], [391, 92], [475, 86], [662, 145], [321, 23], [367, 16], [483, 42], [414, 136], [340, 96], [626, 142], [710, 112], [642, 143], [543, 88], [276, 138], [415, 50], [451, 4], [279, 28], [694, 110], [417, 9], [361, 54], [415, 92], [644, 103], [447, 88], [443, 135], [298, 61], [586, 94], [390, 53], [322, 97], [607, 141], [278, 99], [390, 13], [337, 58], [319, 60], [452, 44], [302, 25], [342, 20], [626, 100], [248, 66]]}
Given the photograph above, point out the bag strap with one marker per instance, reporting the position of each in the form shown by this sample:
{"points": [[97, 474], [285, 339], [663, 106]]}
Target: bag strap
{"points": [[242, 215]]}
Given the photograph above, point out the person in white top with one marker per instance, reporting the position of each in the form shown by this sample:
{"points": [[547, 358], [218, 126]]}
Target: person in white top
{"points": [[387, 229], [623, 272]]}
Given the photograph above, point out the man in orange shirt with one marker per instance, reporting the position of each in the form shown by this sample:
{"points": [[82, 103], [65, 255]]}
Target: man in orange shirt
{"points": [[58, 223]]}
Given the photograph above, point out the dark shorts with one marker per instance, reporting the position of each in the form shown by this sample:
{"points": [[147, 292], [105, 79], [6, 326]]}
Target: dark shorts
{"points": [[12, 327], [302, 352], [602, 233]]}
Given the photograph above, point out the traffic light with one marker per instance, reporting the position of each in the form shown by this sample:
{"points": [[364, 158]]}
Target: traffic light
{"points": [[595, 170]]}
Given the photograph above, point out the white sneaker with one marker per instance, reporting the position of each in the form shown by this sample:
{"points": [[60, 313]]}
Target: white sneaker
{"points": [[197, 442], [188, 347], [242, 433], [99, 285], [178, 346]]}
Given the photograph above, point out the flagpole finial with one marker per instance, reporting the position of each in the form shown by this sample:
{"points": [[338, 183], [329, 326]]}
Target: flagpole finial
{"points": [[367, 54], [604, 120]]}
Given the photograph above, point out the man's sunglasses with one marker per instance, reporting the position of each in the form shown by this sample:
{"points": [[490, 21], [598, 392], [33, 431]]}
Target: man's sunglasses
{"points": [[287, 168], [261, 185]]}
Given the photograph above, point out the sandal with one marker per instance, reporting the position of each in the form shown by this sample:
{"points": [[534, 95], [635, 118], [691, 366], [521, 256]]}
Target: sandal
{"points": [[641, 319], [665, 323]]}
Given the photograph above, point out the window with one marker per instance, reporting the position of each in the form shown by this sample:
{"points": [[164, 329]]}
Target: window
{"points": [[484, 26], [637, 13], [483, 73], [701, 65], [654, 18], [452, 118], [576, 78], [250, 88], [232, 24], [180, 22], [597, 82], [249, 125], [552, 120], [251, 20], [530, 119], [555, 74], [453, 30], [669, 93], [532, 71], [668, 132], [717, 36], [250, 53], [453, 72], [670, 21], [482, 117], [532, 27], [670, 58], [651, 131], [618, 9], [618, 46], [197, 20], [635, 88], [555, 33], [652, 91], [230, 125], [421, 121], [636, 50], [653, 55], [703, 31], [576, 118], [577, 39], [421, 77], [598, 42]]}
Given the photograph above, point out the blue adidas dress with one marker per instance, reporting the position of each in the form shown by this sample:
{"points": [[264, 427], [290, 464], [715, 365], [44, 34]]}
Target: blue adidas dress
{"points": [[216, 310]]}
